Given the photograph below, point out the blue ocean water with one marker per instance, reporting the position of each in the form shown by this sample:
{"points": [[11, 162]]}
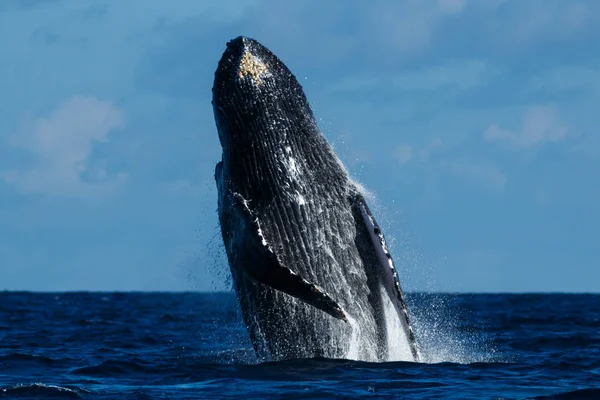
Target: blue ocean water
{"points": [[194, 345]]}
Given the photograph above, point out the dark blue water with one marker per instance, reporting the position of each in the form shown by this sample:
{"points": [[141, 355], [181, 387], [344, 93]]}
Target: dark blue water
{"points": [[176, 346]]}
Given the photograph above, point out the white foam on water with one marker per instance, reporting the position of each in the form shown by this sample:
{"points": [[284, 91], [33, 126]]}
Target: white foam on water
{"points": [[442, 336], [439, 324], [438, 332]]}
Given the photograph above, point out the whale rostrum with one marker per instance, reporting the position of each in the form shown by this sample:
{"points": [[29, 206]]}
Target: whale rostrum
{"points": [[310, 265]]}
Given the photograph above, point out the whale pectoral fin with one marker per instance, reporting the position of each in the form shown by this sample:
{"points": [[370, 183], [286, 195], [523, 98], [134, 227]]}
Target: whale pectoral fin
{"points": [[385, 266], [269, 271], [285, 280]]}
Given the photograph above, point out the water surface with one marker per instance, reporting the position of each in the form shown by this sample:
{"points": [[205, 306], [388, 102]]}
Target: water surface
{"points": [[194, 345]]}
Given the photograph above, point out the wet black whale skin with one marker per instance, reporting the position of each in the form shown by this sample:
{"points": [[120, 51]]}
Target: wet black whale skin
{"points": [[291, 217]]}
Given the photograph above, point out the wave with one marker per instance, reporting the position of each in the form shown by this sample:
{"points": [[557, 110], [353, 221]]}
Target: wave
{"points": [[580, 394], [41, 390]]}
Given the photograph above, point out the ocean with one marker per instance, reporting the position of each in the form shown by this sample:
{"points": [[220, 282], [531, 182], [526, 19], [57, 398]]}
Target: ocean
{"points": [[195, 346]]}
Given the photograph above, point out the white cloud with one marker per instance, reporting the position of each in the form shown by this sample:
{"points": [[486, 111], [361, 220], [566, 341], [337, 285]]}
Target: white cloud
{"points": [[452, 6], [403, 153], [426, 152], [406, 153], [464, 74], [550, 18], [568, 77], [484, 174], [355, 84], [540, 124], [61, 145], [410, 25], [216, 11]]}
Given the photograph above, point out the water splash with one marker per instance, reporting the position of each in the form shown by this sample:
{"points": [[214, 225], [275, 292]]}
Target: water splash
{"points": [[398, 347], [437, 327], [441, 327], [355, 339]]}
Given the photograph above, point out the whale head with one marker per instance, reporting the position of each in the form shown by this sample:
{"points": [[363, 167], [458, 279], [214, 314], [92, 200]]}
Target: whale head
{"points": [[261, 113], [253, 91]]}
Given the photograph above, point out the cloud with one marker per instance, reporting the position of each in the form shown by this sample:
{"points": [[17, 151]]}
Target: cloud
{"points": [[406, 153], [485, 174], [403, 153], [431, 158], [308, 35], [61, 148], [9, 5], [452, 6], [463, 74], [92, 12], [566, 78], [550, 19], [409, 26], [540, 124], [413, 27]]}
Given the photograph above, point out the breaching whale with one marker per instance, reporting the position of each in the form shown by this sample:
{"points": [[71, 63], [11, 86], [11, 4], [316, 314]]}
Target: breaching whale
{"points": [[310, 265]]}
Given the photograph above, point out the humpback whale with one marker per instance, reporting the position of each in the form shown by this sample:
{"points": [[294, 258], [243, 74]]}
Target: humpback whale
{"points": [[310, 265]]}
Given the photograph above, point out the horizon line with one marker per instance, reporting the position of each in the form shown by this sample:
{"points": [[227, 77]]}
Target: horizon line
{"points": [[101, 291]]}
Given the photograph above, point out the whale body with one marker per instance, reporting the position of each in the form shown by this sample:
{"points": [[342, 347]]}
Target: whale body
{"points": [[310, 266]]}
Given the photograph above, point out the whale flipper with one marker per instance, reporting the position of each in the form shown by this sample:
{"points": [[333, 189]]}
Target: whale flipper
{"points": [[272, 273], [285, 280], [384, 265]]}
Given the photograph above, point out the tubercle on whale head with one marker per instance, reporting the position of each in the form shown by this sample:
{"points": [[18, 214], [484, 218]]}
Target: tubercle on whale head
{"points": [[251, 89], [245, 65], [238, 74]]}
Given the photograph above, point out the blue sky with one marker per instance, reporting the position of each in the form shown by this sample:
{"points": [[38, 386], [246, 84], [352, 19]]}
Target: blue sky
{"points": [[474, 123]]}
